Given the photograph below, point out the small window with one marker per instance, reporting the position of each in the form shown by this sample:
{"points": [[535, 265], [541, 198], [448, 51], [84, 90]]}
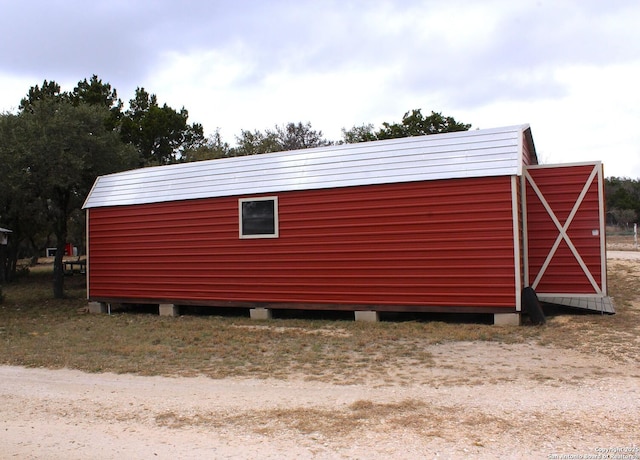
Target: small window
{"points": [[258, 217]]}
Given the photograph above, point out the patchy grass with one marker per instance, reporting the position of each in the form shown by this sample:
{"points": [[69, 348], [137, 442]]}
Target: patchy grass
{"points": [[38, 331], [616, 336], [315, 422], [621, 242]]}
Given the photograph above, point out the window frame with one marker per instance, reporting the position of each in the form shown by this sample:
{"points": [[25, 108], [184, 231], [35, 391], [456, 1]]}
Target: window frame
{"points": [[276, 227]]}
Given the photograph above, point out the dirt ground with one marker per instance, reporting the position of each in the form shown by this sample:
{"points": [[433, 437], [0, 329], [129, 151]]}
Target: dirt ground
{"points": [[475, 400]]}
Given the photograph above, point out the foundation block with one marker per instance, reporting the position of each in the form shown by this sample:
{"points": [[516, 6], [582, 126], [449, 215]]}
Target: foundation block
{"points": [[506, 319], [367, 316], [97, 307], [260, 313], [168, 309]]}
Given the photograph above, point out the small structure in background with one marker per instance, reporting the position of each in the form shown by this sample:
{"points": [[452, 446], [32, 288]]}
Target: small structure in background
{"points": [[458, 222], [4, 236], [4, 241], [69, 251]]}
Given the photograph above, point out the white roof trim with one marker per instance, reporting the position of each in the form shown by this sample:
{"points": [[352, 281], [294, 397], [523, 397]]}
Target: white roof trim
{"points": [[478, 153]]}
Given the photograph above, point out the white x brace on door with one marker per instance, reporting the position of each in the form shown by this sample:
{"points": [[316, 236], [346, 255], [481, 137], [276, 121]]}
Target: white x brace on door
{"points": [[564, 235]]}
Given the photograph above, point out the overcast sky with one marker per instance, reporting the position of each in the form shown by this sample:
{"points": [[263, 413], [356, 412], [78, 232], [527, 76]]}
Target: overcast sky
{"points": [[570, 69]]}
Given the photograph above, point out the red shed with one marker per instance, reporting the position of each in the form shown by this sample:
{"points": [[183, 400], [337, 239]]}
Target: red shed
{"points": [[456, 222]]}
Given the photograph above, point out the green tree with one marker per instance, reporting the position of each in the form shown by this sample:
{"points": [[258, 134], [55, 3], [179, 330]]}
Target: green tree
{"points": [[19, 209], [624, 217], [76, 148], [623, 200], [95, 92], [362, 133], [50, 90], [56, 151], [211, 149], [255, 142], [413, 123], [295, 136], [59, 142], [292, 136], [160, 133]]}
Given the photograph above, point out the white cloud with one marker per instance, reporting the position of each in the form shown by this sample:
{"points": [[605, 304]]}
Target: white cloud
{"points": [[13, 90], [596, 120], [215, 84]]}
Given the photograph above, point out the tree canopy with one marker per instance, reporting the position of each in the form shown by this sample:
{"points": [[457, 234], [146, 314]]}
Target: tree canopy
{"points": [[294, 136], [49, 90], [413, 123], [211, 148], [95, 92], [623, 201], [52, 151], [160, 133], [291, 136]]}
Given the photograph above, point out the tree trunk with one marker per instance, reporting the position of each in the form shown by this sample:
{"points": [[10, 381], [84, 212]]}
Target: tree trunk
{"points": [[62, 198], [58, 267]]}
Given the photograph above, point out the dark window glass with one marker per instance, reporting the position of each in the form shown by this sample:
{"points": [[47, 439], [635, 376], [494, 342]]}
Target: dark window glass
{"points": [[258, 217]]}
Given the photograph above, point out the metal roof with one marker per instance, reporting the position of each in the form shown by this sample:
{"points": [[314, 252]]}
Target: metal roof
{"points": [[478, 153]]}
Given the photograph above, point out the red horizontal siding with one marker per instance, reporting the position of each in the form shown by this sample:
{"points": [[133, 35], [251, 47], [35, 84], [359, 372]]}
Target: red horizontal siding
{"points": [[561, 188], [527, 143], [439, 243]]}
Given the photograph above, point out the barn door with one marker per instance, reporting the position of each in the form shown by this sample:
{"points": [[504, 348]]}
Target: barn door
{"points": [[565, 252]]}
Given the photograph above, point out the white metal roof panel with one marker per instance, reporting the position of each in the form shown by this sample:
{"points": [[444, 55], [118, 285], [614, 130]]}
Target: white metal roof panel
{"points": [[479, 153]]}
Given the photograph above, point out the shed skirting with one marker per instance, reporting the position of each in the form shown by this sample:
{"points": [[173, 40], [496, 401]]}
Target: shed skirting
{"points": [[309, 306]]}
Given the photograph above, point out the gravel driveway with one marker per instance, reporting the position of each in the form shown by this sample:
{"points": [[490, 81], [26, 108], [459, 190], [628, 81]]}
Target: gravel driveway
{"points": [[475, 400]]}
